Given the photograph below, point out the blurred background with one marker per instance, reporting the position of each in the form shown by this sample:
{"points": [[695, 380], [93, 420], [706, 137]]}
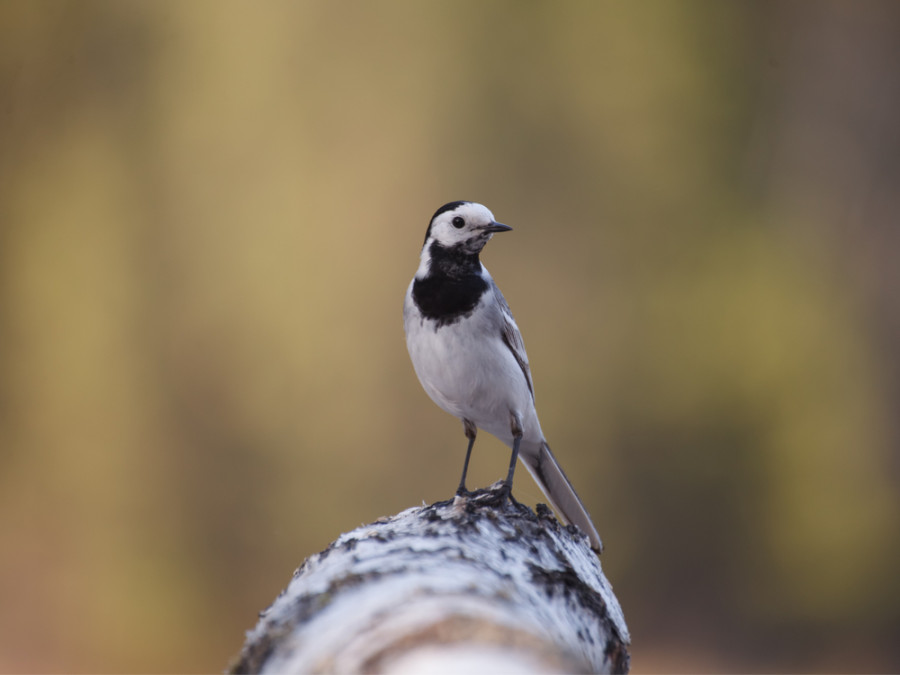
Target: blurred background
{"points": [[210, 212]]}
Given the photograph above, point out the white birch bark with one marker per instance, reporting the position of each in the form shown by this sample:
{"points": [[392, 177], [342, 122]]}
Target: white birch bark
{"points": [[465, 585]]}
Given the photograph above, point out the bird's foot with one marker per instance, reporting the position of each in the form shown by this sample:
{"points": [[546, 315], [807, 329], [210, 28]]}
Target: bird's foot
{"points": [[513, 501], [505, 494]]}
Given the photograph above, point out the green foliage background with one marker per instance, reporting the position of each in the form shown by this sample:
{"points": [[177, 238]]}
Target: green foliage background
{"points": [[209, 212]]}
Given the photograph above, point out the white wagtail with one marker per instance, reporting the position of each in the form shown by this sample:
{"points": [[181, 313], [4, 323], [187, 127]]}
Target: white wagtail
{"points": [[469, 356]]}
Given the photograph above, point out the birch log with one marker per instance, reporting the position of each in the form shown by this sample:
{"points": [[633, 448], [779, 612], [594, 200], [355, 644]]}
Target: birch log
{"points": [[464, 585]]}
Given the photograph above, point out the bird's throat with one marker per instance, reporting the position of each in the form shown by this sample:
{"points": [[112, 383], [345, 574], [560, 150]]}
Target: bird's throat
{"points": [[455, 261], [452, 288]]}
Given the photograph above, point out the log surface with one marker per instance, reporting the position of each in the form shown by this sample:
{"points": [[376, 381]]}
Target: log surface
{"points": [[465, 584]]}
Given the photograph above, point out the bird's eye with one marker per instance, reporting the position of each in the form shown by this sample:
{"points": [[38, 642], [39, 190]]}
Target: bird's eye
{"points": [[458, 222]]}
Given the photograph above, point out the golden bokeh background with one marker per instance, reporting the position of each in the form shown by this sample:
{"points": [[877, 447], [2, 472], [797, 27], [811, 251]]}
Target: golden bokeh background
{"points": [[210, 211]]}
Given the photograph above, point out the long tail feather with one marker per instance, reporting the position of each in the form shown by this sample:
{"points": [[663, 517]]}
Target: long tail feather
{"points": [[549, 476]]}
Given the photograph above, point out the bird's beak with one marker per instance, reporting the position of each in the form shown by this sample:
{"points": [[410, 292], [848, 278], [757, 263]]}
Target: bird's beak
{"points": [[496, 227]]}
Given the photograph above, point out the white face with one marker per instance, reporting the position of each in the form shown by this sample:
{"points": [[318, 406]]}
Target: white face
{"points": [[468, 226]]}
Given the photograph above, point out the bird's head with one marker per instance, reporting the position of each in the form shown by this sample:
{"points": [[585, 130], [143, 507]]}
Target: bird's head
{"points": [[462, 226]]}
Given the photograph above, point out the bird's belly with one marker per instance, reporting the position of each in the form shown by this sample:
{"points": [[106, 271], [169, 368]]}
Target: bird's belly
{"points": [[472, 376]]}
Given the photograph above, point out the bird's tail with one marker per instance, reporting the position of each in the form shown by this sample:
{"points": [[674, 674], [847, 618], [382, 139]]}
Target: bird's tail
{"points": [[549, 476]]}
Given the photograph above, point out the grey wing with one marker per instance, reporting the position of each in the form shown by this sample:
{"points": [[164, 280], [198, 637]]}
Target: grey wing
{"points": [[512, 338]]}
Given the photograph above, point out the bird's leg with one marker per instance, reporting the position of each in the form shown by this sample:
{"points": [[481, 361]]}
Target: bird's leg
{"points": [[516, 427], [471, 431]]}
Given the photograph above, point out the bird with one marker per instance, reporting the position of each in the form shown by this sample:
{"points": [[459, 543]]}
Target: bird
{"points": [[469, 356]]}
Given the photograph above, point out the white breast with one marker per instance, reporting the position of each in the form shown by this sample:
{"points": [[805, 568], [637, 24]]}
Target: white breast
{"points": [[468, 371]]}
